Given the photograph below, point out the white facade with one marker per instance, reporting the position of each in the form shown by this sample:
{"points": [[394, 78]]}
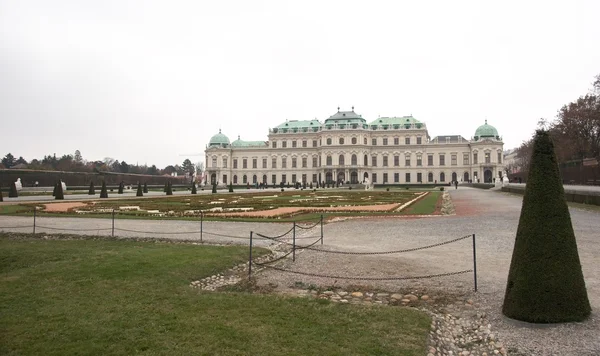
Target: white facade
{"points": [[345, 148]]}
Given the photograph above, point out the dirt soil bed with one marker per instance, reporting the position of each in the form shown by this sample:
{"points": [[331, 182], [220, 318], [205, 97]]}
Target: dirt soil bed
{"points": [[62, 207]]}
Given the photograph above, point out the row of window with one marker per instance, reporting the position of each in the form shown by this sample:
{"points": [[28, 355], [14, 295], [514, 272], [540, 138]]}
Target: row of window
{"points": [[441, 178], [354, 161], [341, 141]]}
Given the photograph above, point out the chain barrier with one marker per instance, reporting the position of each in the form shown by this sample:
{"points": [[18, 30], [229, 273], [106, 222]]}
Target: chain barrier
{"points": [[273, 261], [275, 237], [369, 278], [309, 227], [392, 252], [309, 246]]}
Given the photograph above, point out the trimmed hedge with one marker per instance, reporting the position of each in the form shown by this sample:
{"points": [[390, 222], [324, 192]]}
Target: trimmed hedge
{"points": [[60, 195], [12, 193], [589, 198], [103, 191], [545, 282]]}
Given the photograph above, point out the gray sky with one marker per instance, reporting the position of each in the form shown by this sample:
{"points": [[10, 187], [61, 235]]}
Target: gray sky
{"points": [[148, 81]]}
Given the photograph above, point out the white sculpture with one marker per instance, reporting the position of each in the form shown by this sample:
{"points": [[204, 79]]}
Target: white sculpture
{"points": [[367, 184], [18, 184], [63, 185], [505, 180]]}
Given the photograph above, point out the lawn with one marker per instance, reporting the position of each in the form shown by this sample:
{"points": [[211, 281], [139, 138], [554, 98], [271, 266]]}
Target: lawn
{"points": [[62, 297]]}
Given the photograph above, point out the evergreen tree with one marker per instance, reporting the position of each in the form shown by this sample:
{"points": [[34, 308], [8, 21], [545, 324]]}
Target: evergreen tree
{"points": [[12, 193], [145, 187], [139, 190], [121, 186], [214, 188], [545, 282], [1, 197], [92, 189], [60, 195], [230, 187], [194, 190], [103, 191], [169, 189]]}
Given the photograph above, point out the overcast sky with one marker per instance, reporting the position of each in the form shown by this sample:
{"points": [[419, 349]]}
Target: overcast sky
{"points": [[152, 81]]}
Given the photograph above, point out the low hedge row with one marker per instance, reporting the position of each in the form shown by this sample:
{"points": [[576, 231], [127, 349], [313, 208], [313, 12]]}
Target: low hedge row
{"points": [[570, 196]]}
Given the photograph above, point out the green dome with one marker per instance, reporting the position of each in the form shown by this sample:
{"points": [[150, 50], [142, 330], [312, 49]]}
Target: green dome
{"points": [[219, 140], [486, 131]]}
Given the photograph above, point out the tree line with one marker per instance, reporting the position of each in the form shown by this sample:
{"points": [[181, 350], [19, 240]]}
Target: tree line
{"points": [[76, 163], [575, 131]]}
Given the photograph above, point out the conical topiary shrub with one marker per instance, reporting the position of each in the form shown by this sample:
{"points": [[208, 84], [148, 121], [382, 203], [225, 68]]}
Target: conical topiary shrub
{"points": [[92, 189], [103, 191], [169, 189], [12, 193], [194, 190], [230, 187], [545, 282], [1, 197], [145, 187], [165, 188], [139, 190], [214, 188], [121, 186], [54, 190], [60, 195]]}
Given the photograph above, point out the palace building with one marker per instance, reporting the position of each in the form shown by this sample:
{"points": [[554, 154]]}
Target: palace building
{"points": [[346, 148]]}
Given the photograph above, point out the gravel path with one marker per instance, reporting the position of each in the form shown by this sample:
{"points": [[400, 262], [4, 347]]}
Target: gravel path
{"points": [[213, 232], [493, 217]]}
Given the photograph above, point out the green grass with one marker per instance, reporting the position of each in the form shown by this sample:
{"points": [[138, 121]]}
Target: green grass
{"points": [[63, 297], [424, 206]]}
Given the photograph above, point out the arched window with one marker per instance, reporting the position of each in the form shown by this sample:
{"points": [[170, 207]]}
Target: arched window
{"points": [[341, 140], [430, 177], [245, 179], [366, 162], [365, 141], [235, 179], [329, 141], [328, 161], [354, 140], [254, 179], [442, 177], [264, 179], [342, 160], [354, 160]]}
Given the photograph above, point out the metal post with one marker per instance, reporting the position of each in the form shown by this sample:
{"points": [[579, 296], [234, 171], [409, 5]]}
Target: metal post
{"points": [[201, 221], [250, 257], [474, 264], [113, 223], [321, 229], [34, 213], [294, 243]]}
